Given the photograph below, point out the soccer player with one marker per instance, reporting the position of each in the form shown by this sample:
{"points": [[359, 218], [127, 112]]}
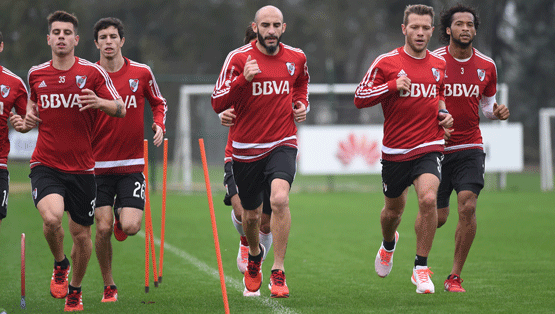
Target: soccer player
{"points": [[408, 82], [13, 94], [232, 198], [266, 82], [470, 84], [64, 104], [118, 147]]}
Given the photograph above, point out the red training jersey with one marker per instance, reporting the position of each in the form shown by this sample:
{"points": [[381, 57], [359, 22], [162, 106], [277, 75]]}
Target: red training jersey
{"points": [[13, 94], [264, 106], [466, 82], [65, 133], [118, 142], [411, 127]]}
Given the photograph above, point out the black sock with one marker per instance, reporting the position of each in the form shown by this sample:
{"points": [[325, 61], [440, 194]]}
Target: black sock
{"points": [[420, 261], [73, 289], [258, 257], [111, 286], [388, 245], [63, 264]]}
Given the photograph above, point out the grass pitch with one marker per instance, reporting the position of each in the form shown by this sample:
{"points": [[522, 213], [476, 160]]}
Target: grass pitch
{"points": [[330, 259]]}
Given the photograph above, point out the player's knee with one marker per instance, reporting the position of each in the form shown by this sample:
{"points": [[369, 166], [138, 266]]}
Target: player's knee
{"points": [[103, 229], [428, 201], [81, 236], [132, 228], [279, 202], [52, 223], [468, 209]]}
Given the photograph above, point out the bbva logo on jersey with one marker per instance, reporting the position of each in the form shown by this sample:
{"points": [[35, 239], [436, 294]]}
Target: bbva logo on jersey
{"points": [[81, 80], [134, 84], [5, 90], [58, 100], [420, 90], [270, 87]]}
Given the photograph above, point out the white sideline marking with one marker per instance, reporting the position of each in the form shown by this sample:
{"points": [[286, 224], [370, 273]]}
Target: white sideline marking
{"points": [[234, 283]]}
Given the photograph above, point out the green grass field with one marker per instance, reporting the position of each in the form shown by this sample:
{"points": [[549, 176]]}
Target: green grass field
{"points": [[333, 242]]}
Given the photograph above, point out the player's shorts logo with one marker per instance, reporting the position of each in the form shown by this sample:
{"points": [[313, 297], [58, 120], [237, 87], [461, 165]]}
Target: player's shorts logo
{"points": [[35, 193], [134, 84], [436, 74], [81, 80], [481, 74], [290, 68], [5, 90]]}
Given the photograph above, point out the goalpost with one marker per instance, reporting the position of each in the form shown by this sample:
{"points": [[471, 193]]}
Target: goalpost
{"points": [[546, 158], [189, 114]]}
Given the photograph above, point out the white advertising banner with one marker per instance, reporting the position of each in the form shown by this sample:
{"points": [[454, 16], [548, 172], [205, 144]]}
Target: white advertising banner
{"points": [[356, 149]]}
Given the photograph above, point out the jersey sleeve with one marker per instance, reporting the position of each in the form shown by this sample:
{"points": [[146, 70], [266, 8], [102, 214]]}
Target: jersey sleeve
{"points": [[156, 100], [300, 89], [373, 88], [20, 103], [491, 88], [231, 84], [105, 87], [30, 80]]}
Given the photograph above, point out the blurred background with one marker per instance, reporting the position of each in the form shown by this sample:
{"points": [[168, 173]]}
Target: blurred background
{"points": [[185, 42]]}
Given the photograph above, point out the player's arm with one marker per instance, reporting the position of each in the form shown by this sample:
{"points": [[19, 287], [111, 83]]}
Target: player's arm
{"points": [[301, 106], [492, 110], [159, 108], [90, 100], [373, 88], [233, 82], [30, 121]]}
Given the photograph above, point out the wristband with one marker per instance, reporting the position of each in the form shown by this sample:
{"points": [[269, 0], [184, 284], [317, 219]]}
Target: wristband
{"points": [[443, 111]]}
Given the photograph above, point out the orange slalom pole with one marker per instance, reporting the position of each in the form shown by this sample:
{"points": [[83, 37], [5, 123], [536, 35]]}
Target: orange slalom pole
{"points": [[149, 233], [214, 227], [145, 172], [164, 189]]}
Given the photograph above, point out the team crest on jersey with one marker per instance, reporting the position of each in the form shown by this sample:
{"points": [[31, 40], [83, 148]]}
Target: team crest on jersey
{"points": [[290, 68], [81, 80], [481, 74], [5, 90], [134, 84], [436, 74]]}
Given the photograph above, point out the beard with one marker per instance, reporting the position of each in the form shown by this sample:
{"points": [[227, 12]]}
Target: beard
{"points": [[269, 49], [462, 44]]}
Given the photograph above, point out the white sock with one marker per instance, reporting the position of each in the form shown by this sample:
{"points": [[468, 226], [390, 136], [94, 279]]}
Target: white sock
{"points": [[266, 240], [238, 225]]}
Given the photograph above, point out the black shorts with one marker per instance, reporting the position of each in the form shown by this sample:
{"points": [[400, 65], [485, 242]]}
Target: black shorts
{"points": [[231, 189], [461, 171], [397, 176], [4, 192], [253, 178], [78, 191], [128, 190]]}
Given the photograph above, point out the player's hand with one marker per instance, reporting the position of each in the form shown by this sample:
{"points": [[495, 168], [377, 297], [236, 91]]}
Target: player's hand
{"points": [[445, 120], [501, 111], [90, 100], [447, 135], [17, 122], [251, 69], [32, 118], [227, 116], [403, 83], [158, 134], [300, 112]]}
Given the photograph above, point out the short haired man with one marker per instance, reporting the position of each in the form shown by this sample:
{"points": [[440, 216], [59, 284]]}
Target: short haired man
{"points": [[471, 83], [408, 82], [118, 147], [64, 101], [13, 95], [266, 83]]}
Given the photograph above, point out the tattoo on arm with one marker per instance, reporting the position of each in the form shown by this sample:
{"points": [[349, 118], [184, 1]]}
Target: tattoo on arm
{"points": [[118, 108]]}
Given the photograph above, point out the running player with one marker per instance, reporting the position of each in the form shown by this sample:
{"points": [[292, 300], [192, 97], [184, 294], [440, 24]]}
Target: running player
{"points": [[118, 148], [408, 82], [63, 103], [266, 82], [470, 84], [13, 94]]}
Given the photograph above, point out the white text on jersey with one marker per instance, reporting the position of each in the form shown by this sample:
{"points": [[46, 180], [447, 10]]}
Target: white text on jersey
{"points": [[420, 90], [270, 87], [57, 100], [457, 90]]}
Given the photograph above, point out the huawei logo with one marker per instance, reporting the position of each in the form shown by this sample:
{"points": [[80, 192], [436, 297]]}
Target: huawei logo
{"points": [[352, 147]]}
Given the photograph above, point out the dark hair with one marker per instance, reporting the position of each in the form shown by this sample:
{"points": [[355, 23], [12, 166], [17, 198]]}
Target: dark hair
{"points": [[1, 37], [446, 19], [106, 22], [249, 34], [418, 9], [62, 16]]}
